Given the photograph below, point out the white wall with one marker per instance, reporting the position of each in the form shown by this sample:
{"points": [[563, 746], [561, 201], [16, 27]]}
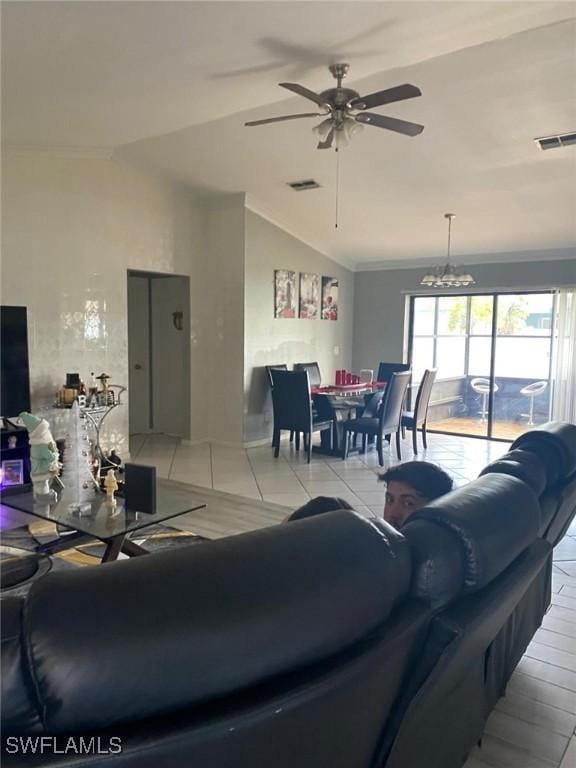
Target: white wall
{"points": [[71, 230], [269, 340], [73, 227], [223, 281]]}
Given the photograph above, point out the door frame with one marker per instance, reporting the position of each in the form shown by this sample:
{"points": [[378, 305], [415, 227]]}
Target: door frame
{"points": [[150, 275]]}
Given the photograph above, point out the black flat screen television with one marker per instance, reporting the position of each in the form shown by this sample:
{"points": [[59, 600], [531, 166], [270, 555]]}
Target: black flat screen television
{"points": [[15, 375]]}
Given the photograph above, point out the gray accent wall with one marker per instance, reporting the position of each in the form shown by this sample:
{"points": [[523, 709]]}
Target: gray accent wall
{"points": [[268, 340], [381, 300]]}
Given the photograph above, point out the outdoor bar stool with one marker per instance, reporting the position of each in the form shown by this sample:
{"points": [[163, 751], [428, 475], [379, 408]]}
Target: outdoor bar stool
{"points": [[482, 387], [532, 390]]}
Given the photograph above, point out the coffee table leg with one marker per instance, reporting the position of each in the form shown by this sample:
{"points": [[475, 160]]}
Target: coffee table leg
{"points": [[113, 549], [132, 549]]}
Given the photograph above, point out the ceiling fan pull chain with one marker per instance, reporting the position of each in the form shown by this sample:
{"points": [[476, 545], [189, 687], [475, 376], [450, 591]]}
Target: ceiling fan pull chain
{"points": [[337, 187]]}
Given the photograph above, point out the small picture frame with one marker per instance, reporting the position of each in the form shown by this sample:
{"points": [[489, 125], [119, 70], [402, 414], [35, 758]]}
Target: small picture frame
{"points": [[309, 295], [12, 472], [284, 293], [329, 298]]}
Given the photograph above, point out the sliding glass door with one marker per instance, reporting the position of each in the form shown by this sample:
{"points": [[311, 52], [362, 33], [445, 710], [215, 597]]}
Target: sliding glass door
{"points": [[492, 352], [523, 347]]}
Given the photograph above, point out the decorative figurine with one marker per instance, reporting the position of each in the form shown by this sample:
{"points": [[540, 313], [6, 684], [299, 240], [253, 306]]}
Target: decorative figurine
{"points": [[43, 456], [114, 459], [111, 485], [80, 485]]}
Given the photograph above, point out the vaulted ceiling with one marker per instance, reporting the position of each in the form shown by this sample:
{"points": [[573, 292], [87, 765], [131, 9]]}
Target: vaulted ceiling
{"points": [[168, 86]]}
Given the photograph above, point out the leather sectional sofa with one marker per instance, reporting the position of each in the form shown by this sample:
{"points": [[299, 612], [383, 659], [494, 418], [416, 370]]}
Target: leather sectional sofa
{"points": [[327, 641]]}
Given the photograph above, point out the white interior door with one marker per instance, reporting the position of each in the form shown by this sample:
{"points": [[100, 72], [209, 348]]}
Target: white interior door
{"points": [[139, 354]]}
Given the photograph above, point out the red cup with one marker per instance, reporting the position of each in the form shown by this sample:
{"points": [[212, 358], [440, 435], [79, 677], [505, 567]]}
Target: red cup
{"points": [[338, 377], [348, 378], [356, 379]]}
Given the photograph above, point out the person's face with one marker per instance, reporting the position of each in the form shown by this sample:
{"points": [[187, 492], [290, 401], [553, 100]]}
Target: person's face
{"points": [[401, 501]]}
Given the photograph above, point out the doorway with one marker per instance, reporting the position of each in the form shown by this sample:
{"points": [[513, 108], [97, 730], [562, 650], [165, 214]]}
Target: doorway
{"points": [[493, 353], [159, 353]]}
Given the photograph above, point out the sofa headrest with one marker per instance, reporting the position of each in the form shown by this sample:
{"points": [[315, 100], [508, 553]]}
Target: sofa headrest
{"points": [[318, 506], [167, 631], [525, 465], [555, 444], [494, 518], [438, 562]]}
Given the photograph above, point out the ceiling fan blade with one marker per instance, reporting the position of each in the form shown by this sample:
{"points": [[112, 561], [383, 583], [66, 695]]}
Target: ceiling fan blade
{"points": [[284, 117], [388, 96], [391, 123], [327, 143], [302, 91]]}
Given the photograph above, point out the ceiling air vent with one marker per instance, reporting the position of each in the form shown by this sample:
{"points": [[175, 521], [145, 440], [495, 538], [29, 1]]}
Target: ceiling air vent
{"points": [[300, 186], [561, 140]]}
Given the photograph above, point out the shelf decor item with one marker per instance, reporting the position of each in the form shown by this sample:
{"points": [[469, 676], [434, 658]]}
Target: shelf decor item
{"points": [[79, 484], [44, 465]]}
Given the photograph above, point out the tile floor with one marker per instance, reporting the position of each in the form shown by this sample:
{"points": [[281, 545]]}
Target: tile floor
{"points": [[533, 726], [290, 481]]}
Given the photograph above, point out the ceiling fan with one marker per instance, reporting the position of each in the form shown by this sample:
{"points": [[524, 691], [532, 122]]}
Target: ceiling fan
{"points": [[345, 110]]}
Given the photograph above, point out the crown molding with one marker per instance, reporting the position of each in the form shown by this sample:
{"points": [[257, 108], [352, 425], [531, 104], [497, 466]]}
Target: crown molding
{"points": [[77, 153], [473, 259]]}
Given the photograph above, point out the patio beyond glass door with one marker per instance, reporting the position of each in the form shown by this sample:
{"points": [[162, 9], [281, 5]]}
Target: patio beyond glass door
{"points": [[492, 352], [523, 348]]}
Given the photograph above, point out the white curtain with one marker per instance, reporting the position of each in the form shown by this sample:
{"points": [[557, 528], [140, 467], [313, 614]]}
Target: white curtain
{"points": [[564, 358]]}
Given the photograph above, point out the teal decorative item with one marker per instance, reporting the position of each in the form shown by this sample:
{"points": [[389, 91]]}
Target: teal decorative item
{"points": [[43, 455]]}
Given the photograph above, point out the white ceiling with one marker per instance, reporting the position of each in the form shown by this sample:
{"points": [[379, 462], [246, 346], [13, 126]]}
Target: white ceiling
{"points": [[168, 86]]}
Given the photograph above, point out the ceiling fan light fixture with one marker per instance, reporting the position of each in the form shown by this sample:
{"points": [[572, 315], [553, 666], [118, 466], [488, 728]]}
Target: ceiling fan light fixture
{"points": [[323, 128], [447, 276]]}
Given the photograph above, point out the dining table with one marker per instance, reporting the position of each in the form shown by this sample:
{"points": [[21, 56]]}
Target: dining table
{"points": [[338, 403]]}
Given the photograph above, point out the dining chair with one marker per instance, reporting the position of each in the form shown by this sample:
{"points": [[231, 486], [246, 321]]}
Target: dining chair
{"points": [[385, 370], [371, 410], [292, 404], [279, 367], [387, 421], [417, 418], [313, 372]]}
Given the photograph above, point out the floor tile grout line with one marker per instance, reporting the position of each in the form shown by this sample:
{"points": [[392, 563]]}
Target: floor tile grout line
{"points": [[517, 716], [173, 457], [541, 679], [516, 747]]}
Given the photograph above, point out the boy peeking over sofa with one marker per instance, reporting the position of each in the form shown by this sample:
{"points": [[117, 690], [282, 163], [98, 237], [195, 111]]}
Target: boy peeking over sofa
{"points": [[409, 487]]}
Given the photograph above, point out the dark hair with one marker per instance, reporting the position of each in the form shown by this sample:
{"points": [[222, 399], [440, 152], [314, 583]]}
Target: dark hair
{"points": [[317, 506], [427, 479]]}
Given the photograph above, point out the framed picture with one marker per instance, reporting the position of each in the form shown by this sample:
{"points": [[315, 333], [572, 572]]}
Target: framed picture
{"points": [[309, 296], [284, 293], [12, 472], [329, 298]]}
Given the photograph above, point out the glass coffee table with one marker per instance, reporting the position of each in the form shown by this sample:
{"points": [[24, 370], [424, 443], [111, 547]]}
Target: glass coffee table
{"points": [[104, 522]]}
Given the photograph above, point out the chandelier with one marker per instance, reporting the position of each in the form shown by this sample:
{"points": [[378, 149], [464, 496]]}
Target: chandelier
{"points": [[447, 275]]}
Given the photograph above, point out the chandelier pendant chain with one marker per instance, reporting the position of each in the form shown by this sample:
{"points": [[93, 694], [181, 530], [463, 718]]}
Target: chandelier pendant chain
{"points": [[449, 216], [447, 276], [337, 188]]}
